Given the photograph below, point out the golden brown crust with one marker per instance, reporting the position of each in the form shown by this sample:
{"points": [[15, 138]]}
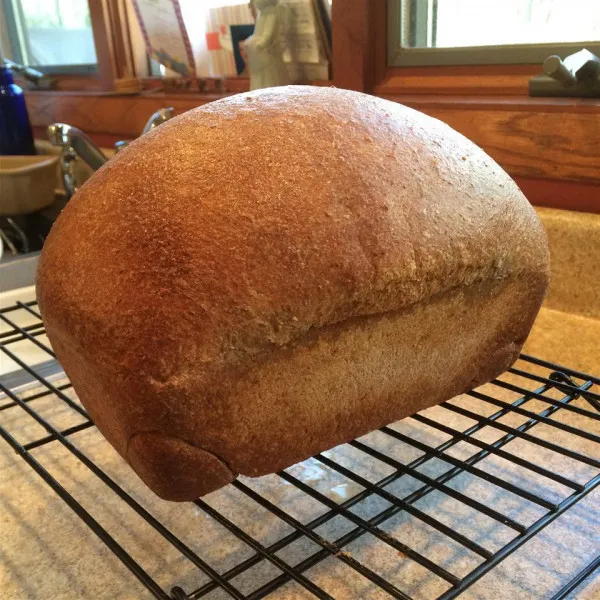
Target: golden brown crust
{"points": [[189, 265], [175, 469]]}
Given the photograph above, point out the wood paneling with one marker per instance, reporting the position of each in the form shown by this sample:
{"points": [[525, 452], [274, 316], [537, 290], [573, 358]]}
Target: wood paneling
{"points": [[359, 39], [554, 141], [556, 146], [474, 79], [543, 138], [570, 195], [507, 103], [109, 114], [70, 83], [104, 55], [549, 145], [120, 115], [379, 36]]}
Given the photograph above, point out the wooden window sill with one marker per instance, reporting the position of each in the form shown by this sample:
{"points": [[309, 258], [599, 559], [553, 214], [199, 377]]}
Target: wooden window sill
{"points": [[425, 99], [161, 94], [504, 102], [107, 116], [480, 80], [118, 116], [549, 145]]}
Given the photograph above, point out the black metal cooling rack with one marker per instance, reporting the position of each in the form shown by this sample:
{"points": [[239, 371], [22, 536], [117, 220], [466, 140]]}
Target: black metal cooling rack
{"points": [[556, 391]]}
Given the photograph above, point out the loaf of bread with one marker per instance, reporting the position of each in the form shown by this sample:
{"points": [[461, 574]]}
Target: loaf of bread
{"points": [[278, 272]]}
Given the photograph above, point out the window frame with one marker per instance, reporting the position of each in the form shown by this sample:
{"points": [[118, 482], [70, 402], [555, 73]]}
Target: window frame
{"points": [[401, 56], [12, 25]]}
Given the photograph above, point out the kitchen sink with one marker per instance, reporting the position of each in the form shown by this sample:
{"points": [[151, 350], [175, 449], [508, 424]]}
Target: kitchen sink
{"points": [[24, 234]]}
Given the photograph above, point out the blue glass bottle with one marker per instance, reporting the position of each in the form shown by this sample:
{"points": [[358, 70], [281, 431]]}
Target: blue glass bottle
{"points": [[15, 129]]}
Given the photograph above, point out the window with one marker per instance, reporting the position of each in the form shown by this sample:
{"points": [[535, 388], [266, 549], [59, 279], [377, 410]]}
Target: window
{"points": [[453, 32], [54, 36]]}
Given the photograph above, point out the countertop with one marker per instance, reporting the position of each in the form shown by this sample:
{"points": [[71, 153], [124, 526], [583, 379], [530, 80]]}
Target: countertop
{"points": [[46, 551]]}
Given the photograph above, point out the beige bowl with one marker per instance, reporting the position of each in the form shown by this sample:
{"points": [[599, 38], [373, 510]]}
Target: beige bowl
{"points": [[27, 184]]}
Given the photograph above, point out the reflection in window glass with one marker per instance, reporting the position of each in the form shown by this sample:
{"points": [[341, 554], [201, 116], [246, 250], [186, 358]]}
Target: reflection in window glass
{"points": [[56, 32]]}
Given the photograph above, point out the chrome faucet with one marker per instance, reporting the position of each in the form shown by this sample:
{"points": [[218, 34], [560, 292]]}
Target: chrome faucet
{"points": [[74, 144], [63, 135], [158, 118]]}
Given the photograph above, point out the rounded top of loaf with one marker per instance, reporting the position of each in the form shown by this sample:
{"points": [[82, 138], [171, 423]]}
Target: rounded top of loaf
{"points": [[241, 225]]}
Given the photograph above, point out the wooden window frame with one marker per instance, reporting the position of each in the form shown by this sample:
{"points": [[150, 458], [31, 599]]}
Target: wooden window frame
{"points": [[10, 40], [78, 76], [360, 60], [108, 40], [421, 55], [548, 145]]}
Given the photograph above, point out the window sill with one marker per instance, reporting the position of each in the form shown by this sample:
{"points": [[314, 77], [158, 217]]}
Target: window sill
{"points": [[548, 138], [131, 97], [491, 102], [114, 115], [551, 140], [146, 94], [107, 116], [462, 80], [548, 145]]}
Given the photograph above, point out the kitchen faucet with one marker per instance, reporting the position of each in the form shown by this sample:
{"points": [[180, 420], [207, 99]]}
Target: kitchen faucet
{"points": [[158, 118], [161, 116], [74, 144]]}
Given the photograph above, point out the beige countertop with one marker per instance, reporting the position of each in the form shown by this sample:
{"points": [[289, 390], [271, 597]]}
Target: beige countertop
{"points": [[46, 551]]}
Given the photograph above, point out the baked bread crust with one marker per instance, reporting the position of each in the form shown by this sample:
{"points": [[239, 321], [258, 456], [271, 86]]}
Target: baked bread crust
{"points": [[278, 272]]}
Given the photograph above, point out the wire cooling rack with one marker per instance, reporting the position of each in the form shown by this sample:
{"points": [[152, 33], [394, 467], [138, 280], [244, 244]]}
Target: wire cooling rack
{"points": [[422, 508]]}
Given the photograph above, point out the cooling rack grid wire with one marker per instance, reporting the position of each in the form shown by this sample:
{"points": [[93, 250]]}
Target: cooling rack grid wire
{"points": [[423, 508]]}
